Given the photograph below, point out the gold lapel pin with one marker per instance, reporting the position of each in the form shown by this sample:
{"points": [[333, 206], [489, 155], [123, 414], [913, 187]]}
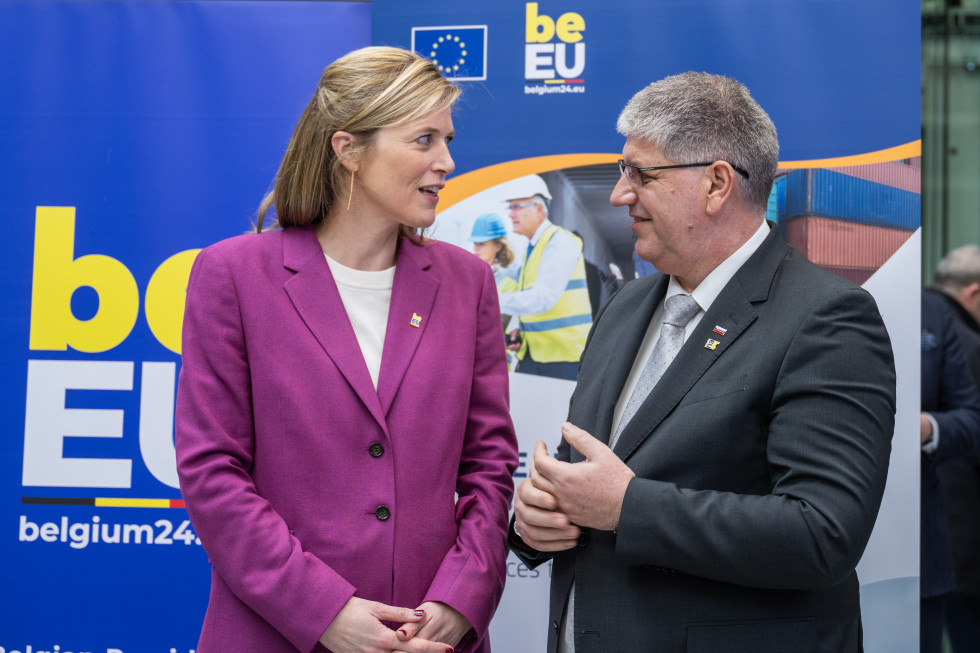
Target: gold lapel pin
{"points": [[416, 320], [711, 344]]}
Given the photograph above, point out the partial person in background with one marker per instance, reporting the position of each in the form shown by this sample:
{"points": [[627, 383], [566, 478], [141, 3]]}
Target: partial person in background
{"points": [[343, 438], [552, 296], [957, 282], [489, 238], [729, 435], [602, 284], [949, 426]]}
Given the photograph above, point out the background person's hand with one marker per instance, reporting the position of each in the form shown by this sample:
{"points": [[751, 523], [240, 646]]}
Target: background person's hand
{"points": [[514, 340]]}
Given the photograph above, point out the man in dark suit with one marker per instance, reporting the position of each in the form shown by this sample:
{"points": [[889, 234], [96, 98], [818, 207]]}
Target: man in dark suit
{"points": [[950, 428], [957, 282], [726, 509]]}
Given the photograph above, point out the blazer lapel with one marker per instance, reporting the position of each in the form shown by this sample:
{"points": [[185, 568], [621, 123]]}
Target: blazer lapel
{"points": [[314, 294], [412, 297], [733, 310], [624, 354]]}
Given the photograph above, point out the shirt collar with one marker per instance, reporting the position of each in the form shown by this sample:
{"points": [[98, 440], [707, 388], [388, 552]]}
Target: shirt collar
{"points": [[541, 227], [709, 289]]}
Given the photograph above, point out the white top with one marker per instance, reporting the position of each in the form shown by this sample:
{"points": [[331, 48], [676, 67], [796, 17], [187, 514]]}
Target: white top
{"points": [[367, 297], [557, 265], [705, 294]]}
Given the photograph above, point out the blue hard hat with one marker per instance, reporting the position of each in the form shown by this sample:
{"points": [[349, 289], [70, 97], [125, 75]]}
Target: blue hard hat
{"points": [[487, 227]]}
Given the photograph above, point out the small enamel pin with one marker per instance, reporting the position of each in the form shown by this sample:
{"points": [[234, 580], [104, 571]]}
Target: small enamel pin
{"points": [[416, 320], [711, 344], [720, 330]]}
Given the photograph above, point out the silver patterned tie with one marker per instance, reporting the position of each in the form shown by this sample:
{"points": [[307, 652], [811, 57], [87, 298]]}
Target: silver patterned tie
{"points": [[679, 309]]}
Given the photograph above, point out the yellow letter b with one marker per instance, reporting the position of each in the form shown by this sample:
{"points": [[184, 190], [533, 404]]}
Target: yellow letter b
{"points": [[57, 274], [538, 29]]}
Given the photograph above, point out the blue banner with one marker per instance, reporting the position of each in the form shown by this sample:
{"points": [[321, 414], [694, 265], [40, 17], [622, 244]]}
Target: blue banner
{"points": [[837, 80], [132, 135], [841, 83]]}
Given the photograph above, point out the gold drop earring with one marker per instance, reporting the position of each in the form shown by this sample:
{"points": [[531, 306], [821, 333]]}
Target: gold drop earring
{"points": [[350, 195]]}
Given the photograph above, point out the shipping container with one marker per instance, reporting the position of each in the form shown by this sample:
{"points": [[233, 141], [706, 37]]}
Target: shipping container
{"points": [[777, 199], [835, 195], [840, 244], [854, 275], [890, 173]]}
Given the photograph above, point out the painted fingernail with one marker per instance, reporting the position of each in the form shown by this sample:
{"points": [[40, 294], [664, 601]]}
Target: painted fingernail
{"points": [[449, 650], [419, 613], [403, 632]]}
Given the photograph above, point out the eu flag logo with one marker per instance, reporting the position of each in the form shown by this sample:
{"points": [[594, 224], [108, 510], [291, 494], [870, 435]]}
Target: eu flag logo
{"points": [[460, 52]]}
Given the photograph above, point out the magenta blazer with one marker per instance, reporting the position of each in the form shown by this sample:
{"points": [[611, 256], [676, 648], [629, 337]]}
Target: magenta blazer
{"points": [[305, 484]]}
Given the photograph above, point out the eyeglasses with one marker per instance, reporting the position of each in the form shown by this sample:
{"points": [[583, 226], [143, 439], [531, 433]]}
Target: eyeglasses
{"points": [[520, 205], [632, 172]]}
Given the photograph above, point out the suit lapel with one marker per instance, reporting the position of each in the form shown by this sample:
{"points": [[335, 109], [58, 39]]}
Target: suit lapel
{"points": [[733, 310], [634, 328], [314, 295], [412, 297]]}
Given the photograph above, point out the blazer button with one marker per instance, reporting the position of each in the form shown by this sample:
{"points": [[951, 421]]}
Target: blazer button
{"points": [[583, 538], [376, 449], [382, 513]]}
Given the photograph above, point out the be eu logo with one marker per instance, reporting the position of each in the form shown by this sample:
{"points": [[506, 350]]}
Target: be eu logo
{"points": [[53, 418], [554, 52]]}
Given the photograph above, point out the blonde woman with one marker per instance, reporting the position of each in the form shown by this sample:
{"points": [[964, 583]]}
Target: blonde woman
{"points": [[343, 379]]}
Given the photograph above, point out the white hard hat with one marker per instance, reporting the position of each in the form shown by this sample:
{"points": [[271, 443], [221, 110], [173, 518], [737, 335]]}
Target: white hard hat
{"points": [[527, 186]]}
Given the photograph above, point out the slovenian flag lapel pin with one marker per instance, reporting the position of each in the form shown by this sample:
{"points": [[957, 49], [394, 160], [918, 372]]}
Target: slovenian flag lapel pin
{"points": [[720, 330]]}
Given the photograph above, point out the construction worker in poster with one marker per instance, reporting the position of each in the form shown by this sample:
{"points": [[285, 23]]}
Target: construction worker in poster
{"points": [[552, 297]]}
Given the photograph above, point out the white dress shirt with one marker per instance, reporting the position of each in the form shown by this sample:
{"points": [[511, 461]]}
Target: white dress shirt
{"points": [[366, 296], [705, 294]]}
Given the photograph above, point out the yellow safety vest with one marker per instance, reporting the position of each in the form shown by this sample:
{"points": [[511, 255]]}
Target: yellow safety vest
{"points": [[558, 334], [507, 285], [504, 282]]}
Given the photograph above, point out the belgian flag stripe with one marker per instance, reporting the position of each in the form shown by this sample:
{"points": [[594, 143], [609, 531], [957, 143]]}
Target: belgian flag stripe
{"points": [[103, 502], [58, 501]]}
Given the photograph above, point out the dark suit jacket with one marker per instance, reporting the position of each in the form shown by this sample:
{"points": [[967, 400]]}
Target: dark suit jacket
{"points": [[950, 396], [960, 477], [760, 466]]}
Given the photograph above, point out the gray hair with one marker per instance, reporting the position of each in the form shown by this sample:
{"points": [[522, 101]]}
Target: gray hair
{"points": [[695, 117], [543, 203], [959, 268]]}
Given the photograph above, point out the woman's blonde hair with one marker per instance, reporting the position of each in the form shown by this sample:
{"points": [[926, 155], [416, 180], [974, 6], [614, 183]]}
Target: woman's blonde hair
{"points": [[360, 93]]}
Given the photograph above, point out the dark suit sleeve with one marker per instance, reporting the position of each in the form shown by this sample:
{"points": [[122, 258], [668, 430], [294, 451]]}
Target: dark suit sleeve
{"points": [[830, 421], [948, 391]]}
